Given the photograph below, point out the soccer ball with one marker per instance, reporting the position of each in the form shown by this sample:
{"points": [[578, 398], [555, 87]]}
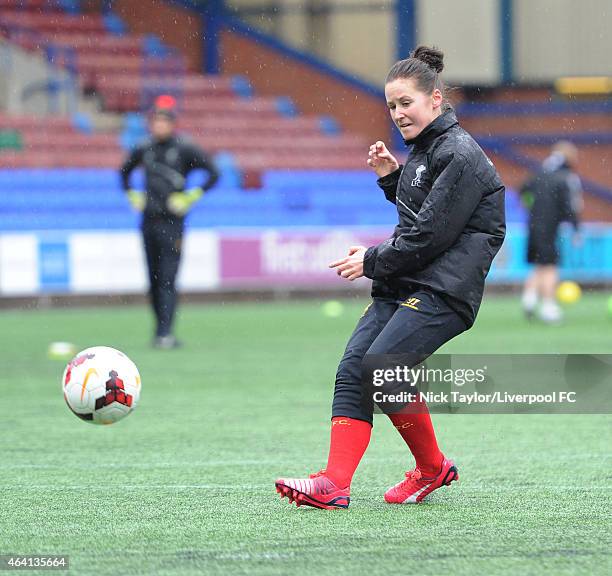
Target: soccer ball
{"points": [[101, 385]]}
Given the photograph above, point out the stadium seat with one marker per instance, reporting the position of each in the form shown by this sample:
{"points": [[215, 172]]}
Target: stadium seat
{"points": [[59, 199]]}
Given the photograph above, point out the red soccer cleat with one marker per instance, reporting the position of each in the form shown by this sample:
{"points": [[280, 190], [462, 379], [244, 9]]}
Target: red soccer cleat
{"points": [[317, 491], [414, 488]]}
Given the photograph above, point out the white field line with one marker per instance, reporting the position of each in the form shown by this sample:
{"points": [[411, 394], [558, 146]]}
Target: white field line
{"points": [[268, 486]]}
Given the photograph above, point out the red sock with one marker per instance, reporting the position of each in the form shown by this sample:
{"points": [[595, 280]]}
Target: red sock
{"points": [[416, 429], [349, 440]]}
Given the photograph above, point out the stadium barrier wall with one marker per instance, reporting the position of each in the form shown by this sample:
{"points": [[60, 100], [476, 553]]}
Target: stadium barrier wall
{"points": [[106, 263]]}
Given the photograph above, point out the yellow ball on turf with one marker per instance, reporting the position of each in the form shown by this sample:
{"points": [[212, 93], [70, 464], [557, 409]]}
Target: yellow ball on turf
{"points": [[61, 350], [568, 292], [333, 308], [610, 306]]}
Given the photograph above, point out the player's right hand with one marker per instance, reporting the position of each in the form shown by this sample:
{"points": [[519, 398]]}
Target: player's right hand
{"points": [[137, 199], [381, 160]]}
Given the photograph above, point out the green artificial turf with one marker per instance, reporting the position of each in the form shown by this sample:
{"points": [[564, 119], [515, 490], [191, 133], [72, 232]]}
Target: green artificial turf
{"points": [[185, 484]]}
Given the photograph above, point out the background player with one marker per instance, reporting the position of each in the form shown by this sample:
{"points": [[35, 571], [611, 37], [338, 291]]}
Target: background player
{"points": [[167, 160], [428, 278], [552, 196]]}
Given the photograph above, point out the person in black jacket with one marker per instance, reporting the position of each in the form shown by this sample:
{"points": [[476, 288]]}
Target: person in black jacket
{"points": [[552, 196], [167, 160], [428, 278]]}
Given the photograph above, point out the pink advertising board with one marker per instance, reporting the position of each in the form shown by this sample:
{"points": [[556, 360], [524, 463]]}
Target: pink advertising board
{"points": [[288, 258]]}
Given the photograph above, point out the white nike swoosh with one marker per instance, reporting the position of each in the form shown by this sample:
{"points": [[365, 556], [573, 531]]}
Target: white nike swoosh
{"points": [[413, 499]]}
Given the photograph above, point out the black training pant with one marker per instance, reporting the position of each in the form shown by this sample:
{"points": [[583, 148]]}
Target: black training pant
{"points": [[392, 326], [162, 242]]}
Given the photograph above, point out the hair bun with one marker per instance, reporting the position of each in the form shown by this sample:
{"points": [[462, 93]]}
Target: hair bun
{"points": [[433, 57]]}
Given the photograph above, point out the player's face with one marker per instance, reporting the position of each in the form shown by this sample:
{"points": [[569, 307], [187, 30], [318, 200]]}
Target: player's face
{"points": [[161, 127], [411, 109]]}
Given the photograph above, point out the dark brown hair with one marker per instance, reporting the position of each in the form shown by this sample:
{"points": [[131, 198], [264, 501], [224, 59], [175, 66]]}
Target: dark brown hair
{"points": [[424, 65]]}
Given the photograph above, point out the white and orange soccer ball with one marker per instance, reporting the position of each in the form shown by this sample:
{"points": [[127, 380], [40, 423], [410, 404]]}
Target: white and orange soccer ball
{"points": [[101, 385]]}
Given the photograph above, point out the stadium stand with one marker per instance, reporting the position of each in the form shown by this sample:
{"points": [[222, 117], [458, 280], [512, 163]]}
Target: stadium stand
{"points": [[91, 199], [211, 106], [57, 169]]}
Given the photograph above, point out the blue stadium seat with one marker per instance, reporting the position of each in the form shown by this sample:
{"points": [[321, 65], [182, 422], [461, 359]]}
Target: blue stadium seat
{"points": [[92, 199]]}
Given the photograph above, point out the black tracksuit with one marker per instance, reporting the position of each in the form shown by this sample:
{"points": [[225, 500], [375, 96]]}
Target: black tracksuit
{"points": [[428, 278], [551, 196], [166, 164]]}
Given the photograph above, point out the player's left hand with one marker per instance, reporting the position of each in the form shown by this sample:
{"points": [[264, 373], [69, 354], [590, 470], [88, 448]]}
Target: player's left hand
{"points": [[351, 267], [180, 203]]}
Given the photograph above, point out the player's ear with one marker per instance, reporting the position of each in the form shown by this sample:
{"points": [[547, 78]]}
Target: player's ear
{"points": [[437, 98]]}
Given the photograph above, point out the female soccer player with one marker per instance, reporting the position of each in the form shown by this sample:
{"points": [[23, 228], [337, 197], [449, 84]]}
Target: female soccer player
{"points": [[428, 278]]}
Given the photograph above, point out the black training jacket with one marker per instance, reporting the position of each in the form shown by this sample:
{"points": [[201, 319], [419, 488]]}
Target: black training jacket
{"points": [[553, 195], [450, 202], [166, 164]]}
